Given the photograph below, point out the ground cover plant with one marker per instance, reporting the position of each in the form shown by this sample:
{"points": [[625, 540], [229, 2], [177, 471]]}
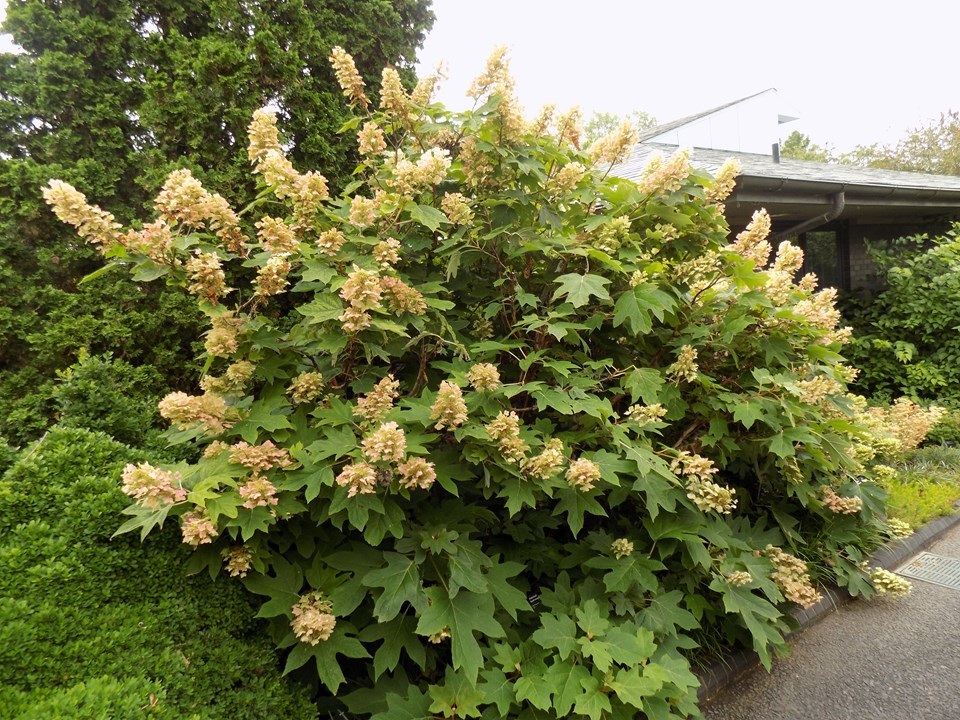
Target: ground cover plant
{"points": [[926, 485], [494, 432], [94, 627]]}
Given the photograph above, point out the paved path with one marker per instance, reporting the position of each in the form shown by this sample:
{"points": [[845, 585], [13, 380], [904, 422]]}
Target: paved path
{"points": [[870, 660]]}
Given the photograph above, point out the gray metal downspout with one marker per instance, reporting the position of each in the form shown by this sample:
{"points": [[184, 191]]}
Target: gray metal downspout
{"points": [[838, 204]]}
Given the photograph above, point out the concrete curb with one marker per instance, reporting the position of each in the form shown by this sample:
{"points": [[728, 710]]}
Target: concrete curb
{"points": [[729, 669]]}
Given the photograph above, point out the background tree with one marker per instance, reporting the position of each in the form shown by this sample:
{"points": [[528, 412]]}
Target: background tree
{"points": [[931, 148], [111, 95], [800, 147]]}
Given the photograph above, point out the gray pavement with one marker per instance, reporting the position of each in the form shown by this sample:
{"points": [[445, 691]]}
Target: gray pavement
{"points": [[869, 660]]}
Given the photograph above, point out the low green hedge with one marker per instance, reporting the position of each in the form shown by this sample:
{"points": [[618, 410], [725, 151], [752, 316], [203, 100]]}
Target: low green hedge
{"points": [[94, 627]]}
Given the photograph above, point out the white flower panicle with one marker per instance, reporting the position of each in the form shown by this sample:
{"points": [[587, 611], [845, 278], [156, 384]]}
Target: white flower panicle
{"points": [[449, 409], [347, 76], [888, 583], [70, 206], [386, 444], [621, 548], [724, 181], [616, 146], [548, 463], [370, 139], [305, 387], [583, 474], [484, 376]]}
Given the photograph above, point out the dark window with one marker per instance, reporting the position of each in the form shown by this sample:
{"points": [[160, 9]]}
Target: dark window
{"points": [[825, 253]]}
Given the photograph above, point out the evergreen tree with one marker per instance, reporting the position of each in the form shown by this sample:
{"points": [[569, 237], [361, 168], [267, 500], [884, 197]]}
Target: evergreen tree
{"points": [[109, 94]]}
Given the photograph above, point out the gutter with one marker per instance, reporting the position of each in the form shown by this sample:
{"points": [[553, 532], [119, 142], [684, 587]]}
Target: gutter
{"points": [[839, 202]]}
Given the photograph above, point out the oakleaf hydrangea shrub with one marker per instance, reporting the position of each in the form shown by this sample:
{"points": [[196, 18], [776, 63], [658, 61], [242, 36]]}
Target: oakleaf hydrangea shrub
{"points": [[94, 627], [493, 431]]}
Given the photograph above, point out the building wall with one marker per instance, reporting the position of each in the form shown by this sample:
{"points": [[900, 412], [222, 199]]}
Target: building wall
{"points": [[863, 273]]}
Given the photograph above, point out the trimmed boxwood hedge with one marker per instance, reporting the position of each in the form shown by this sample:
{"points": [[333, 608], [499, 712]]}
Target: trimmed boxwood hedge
{"points": [[94, 627]]}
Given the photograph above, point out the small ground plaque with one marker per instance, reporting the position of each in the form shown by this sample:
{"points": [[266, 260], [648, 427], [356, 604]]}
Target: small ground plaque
{"points": [[935, 569]]}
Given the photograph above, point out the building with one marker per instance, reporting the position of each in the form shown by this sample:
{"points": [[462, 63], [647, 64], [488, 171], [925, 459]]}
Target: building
{"points": [[830, 210]]}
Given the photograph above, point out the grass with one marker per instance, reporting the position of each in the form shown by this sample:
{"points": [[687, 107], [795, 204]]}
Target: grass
{"points": [[927, 485]]}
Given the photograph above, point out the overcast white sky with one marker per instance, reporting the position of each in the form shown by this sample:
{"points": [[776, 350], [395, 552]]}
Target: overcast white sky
{"points": [[855, 72]]}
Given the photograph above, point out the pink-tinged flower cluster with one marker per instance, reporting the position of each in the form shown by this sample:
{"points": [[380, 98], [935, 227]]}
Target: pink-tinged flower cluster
{"points": [[387, 253], [363, 211], [449, 409], [184, 200], [197, 528], [185, 411], [264, 456], [258, 492], [276, 236], [376, 404], [330, 241], [155, 240], [791, 577], [388, 443], [70, 206], [417, 473], [152, 487], [222, 340], [689, 465], [272, 277], [484, 376], [401, 298], [313, 620], [207, 279], [358, 478], [238, 561], [583, 474], [838, 504]]}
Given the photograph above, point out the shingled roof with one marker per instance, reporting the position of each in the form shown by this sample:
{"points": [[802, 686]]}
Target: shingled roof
{"points": [[794, 188]]}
